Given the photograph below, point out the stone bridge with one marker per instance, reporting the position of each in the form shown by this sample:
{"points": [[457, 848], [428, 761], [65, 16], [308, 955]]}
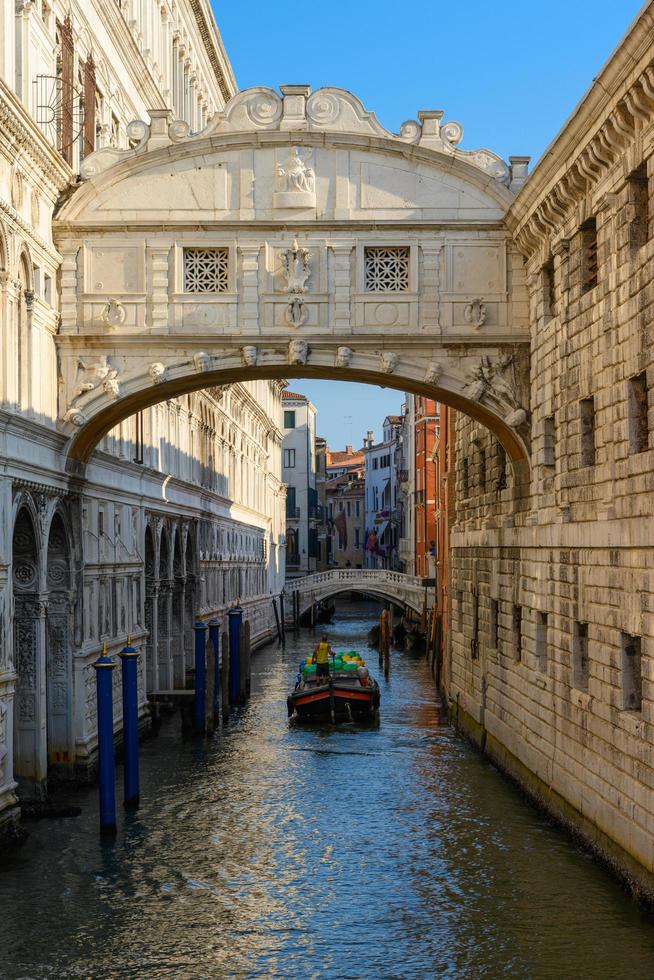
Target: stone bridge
{"points": [[294, 237], [403, 590]]}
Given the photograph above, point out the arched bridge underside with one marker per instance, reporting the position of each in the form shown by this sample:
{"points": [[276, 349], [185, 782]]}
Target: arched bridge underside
{"points": [[403, 590], [294, 237]]}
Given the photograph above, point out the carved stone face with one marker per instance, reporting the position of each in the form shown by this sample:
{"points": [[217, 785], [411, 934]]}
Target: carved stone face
{"points": [[202, 361], [343, 357], [250, 354], [298, 352]]}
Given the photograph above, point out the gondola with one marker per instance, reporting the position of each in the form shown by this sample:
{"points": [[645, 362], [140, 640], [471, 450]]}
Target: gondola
{"points": [[348, 694]]}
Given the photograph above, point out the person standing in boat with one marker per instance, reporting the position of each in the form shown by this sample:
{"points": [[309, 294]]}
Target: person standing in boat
{"points": [[321, 653]]}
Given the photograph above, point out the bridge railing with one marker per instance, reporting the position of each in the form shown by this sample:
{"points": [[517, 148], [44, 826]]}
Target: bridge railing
{"points": [[358, 578]]}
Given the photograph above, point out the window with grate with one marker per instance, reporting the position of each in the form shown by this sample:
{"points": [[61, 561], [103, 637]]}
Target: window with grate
{"points": [[386, 269], [588, 255], [206, 270], [638, 190]]}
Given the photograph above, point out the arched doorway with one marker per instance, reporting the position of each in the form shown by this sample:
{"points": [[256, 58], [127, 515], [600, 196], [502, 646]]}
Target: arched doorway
{"points": [[190, 596], [178, 625], [150, 607], [30, 755], [58, 658], [164, 679]]}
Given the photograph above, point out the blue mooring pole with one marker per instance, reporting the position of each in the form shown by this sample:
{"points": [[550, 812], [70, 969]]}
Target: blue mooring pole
{"points": [[104, 667], [200, 675], [129, 657], [235, 617], [214, 637]]}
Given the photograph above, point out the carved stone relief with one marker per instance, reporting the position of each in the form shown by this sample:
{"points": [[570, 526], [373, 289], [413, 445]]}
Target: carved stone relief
{"points": [[295, 181]]}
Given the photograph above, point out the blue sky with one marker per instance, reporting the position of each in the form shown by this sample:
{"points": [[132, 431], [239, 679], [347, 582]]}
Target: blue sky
{"points": [[510, 74]]}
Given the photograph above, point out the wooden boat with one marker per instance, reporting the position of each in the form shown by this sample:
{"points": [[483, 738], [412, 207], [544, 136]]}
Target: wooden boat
{"points": [[346, 695]]}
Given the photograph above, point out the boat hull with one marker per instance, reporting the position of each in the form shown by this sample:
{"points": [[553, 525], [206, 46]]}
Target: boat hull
{"points": [[338, 701]]}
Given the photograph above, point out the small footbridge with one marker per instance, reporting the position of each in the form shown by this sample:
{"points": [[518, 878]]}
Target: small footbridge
{"points": [[396, 587]]}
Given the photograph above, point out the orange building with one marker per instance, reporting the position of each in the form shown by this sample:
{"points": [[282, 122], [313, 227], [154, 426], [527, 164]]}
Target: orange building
{"points": [[443, 457], [427, 426]]}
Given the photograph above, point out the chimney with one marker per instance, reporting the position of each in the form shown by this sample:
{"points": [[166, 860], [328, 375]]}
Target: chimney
{"points": [[348, 449]]}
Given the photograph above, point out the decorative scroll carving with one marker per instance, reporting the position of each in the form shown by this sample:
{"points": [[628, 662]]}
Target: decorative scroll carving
{"points": [[296, 268], [296, 312], [475, 313], [113, 314]]}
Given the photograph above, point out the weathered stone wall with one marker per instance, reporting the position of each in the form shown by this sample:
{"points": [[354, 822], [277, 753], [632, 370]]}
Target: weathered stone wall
{"points": [[552, 642]]}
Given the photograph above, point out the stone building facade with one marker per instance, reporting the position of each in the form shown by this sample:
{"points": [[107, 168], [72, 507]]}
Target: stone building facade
{"points": [[550, 653], [181, 510]]}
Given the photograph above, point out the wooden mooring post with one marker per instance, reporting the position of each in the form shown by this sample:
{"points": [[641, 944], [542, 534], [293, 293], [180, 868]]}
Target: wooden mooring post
{"points": [[385, 642], [224, 678]]}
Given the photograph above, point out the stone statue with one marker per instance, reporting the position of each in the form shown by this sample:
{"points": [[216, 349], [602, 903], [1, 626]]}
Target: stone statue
{"points": [[295, 183], [343, 357], [295, 175]]}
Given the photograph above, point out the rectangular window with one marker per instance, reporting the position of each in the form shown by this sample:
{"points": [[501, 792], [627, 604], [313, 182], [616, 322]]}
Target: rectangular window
{"points": [[501, 467], [465, 479], [357, 539], [375, 464], [638, 401], [549, 293], [588, 255], [138, 437], [459, 600], [291, 509], [587, 431], [47, 289], [289, 420], [517, 633], [549, 438], [206, 270], [638, 190], [580, 656], [632, 678], [358, 508], [494, 625], [541, 641], [482, 470], [386, 269], [289, 458], [349, 509]]}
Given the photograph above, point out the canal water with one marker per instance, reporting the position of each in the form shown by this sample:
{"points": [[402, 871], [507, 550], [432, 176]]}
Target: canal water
{"points": [[277, 851]]}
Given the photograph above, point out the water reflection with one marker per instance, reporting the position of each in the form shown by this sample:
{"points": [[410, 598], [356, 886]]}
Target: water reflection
{"points": [[278, 851]]}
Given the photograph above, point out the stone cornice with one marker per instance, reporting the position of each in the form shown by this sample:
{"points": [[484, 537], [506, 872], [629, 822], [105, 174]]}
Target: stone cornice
{"points": [[616, 109], [214, 48]]}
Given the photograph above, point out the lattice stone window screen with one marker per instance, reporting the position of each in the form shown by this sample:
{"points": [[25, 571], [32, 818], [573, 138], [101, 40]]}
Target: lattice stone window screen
{"points": [[386, 269], [206, 270]]}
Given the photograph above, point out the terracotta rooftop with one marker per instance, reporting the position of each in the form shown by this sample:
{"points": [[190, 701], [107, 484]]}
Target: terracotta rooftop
{"points": [[394, 419], [344, 458], [294, 394]]}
